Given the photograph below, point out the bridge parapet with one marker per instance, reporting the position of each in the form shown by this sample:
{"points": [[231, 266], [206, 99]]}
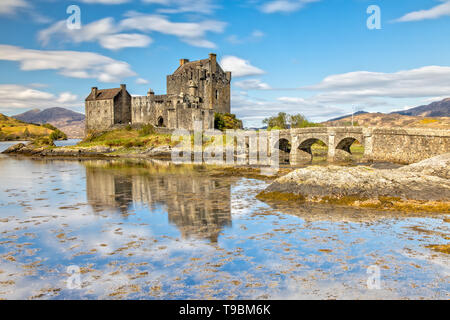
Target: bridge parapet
{"points": [[402, 145]]}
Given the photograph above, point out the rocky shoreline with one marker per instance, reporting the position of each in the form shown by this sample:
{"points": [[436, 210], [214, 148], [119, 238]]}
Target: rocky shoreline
{"points": [[163, 152], [424, 186]]}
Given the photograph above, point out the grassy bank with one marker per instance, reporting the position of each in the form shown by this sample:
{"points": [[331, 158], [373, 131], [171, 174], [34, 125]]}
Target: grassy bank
{"points": [[146, 137], [12, 129]]}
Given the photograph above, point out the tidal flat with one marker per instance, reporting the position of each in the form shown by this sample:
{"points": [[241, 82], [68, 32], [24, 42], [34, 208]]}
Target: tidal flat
{"points": [[117, 229]]}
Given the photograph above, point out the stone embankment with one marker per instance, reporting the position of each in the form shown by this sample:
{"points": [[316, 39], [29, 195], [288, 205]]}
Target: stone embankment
{"points": [[421, 186], [96, 151]]}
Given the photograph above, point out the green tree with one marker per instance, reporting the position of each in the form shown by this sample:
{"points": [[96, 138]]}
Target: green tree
{"points": [[226, 121], [299, 121], [277, 122], [58, 135]]}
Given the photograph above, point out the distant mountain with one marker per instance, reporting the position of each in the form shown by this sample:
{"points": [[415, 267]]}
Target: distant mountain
{"points": [[392, 120], [347, 116], [70, 122], [435, 109], [49, 115], [435, 115]]}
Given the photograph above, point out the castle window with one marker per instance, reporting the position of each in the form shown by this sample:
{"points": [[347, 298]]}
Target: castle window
{"points": [[217, 94]]}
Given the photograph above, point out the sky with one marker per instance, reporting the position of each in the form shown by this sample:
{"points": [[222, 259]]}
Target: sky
{"points": [[320, 58]]}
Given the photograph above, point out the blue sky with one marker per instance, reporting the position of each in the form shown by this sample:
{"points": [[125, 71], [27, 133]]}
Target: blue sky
{"points": [[315, 57]]}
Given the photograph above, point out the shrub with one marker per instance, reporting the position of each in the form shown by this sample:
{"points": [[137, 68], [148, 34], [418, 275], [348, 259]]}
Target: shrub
{"points": [[93, 136], [49, 126], [58, 135], [129, 144], [146, 130], [43, 141], [226, 121], [128, 127]]}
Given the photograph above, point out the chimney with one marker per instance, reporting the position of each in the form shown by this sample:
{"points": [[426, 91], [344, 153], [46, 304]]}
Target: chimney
{"points": [[123, 87], [94, 91], [183, 61], [213, 59], [150, 93]]}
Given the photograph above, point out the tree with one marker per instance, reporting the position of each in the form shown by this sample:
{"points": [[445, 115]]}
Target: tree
{"points": [[277, 122], [286, 121], [226, 121], [299, 121]]}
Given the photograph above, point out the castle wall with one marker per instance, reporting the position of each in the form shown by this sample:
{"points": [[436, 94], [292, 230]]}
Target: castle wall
{"points": [[221, 95], [122, 108], [187, 117], [150, 110], [147, 111], [99, 115]]}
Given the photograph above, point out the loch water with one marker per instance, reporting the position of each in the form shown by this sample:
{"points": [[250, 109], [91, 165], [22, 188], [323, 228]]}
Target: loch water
{"points": [[122, 229]]}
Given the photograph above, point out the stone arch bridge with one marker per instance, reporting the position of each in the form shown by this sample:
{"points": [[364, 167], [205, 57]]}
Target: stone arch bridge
{"points": [[401, 145]]}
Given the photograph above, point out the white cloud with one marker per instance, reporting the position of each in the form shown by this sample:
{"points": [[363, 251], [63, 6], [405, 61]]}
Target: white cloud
{"points": [[141, 81], [433, 13], [8, 7], [285, 5], [124, 40], [337, 94], [257, 34], [103, 31], [192, 33], [13, 97], [73, 64], [252, 84], [179, 6], [254, 110], [254, 36], [239, 67], [13, 7], [67, 97], [108, 33], [422, 82], [89, 32]]}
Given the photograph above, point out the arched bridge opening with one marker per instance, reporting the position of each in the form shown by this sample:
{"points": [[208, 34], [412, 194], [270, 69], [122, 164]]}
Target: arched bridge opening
{"points": [[311, 150], [349, 148], [285, 148]]}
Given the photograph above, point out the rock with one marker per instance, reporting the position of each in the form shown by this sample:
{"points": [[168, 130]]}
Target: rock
{"points": [[162, 151], [438, 166], [318, 183], [15, 148]]}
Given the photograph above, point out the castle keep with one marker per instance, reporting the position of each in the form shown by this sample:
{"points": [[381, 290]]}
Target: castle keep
{"points": [[195, 91]]}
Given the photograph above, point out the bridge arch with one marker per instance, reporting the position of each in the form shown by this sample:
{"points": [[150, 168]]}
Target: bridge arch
{"points": [[306, 144], [346, 143], [285, 147], [349, 148], [305, 152]]}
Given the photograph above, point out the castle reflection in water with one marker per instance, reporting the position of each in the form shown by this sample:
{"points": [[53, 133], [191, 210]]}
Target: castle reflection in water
{"points": [[200, 206]]}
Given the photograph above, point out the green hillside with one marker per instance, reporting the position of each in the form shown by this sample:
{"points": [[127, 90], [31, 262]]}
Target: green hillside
{"points": [[12, 129]]}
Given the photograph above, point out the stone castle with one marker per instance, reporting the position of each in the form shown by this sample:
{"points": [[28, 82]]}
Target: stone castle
{"points": [[195, 91]]}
